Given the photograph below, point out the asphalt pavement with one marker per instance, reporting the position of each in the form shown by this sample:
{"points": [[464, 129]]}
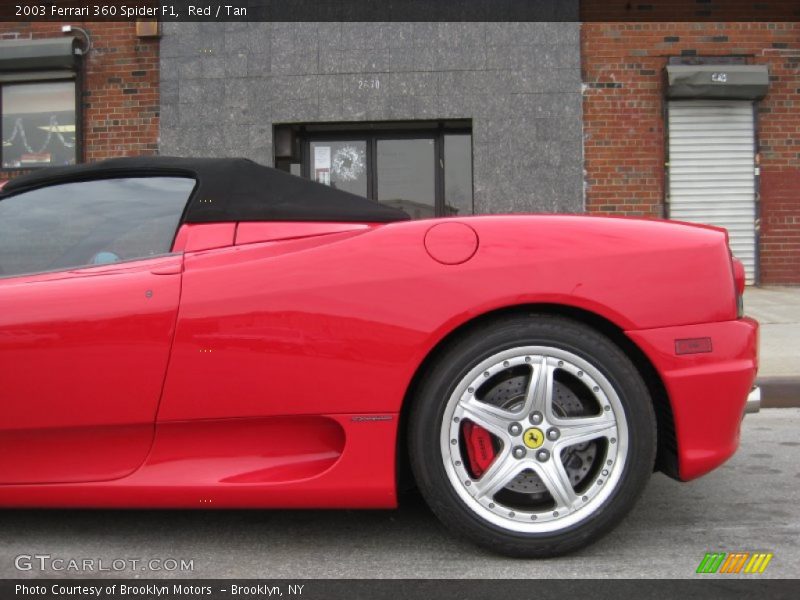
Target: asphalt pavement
{"points": [[750, 504]]}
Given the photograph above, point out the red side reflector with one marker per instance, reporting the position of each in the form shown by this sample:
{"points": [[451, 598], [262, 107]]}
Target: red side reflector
{"points": [[693, 346]]}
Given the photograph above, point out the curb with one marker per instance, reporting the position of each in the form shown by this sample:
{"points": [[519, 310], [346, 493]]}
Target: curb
{"points": [[779, 392]]}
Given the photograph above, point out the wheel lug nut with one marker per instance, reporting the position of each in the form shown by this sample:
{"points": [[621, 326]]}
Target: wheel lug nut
{"points": [[553, 433], [519, 452], [542, 455], [515, 429], [536, 418]]}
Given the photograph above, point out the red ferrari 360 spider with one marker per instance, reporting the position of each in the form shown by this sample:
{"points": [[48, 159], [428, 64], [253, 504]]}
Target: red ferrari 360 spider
{"points": [[213, 333]]}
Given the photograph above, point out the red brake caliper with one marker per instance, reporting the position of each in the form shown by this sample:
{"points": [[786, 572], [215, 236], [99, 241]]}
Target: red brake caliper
{"points": [[480, 450]]}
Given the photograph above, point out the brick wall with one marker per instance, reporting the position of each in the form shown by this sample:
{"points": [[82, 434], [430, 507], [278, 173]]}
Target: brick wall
{"points": [[623, 106], [120, 95]]}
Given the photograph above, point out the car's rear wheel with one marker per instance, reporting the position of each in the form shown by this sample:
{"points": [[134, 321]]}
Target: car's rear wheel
{"points": [[532, 435]]}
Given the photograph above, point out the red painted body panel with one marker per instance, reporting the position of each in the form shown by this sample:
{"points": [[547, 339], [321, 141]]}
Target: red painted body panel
{"points": [[356, 315], [282, 323], [83, 355], [707, 390], [250, 233], [192, 238], [234, 463]]}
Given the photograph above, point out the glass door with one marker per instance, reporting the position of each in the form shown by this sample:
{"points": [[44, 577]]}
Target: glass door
{"points": [[424, 171], [340, 163], [406, 175]]}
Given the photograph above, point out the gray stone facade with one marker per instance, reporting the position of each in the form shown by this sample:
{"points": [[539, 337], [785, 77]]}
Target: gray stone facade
{"points": [[224, 86]]}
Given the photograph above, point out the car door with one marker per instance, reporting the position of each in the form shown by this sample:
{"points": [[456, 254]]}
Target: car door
{"points": [[88, 301]]}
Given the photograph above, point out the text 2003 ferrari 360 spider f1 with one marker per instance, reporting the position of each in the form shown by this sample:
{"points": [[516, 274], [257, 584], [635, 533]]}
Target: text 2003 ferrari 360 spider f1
{"points": [[214, 333]]}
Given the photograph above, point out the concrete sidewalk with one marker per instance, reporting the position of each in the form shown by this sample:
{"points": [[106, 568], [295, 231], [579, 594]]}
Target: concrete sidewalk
{"points": [[778, 311]]}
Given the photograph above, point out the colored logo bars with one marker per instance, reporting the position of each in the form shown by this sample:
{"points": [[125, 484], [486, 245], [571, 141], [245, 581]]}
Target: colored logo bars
{"points": [[735, 562]]}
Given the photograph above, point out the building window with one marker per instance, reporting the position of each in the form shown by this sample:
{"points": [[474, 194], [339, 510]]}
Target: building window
{"points": [[38, 124], [423, 168]]}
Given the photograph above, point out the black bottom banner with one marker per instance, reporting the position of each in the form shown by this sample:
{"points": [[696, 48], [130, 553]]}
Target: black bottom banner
{"points": [[399, 589]]}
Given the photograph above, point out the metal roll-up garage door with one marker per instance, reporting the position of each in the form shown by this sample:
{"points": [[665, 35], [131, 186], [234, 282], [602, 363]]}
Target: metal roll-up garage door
{"points": [[712, 170]]}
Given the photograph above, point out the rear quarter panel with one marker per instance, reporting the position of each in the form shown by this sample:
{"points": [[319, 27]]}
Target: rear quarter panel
{"points": [[340, 323]]}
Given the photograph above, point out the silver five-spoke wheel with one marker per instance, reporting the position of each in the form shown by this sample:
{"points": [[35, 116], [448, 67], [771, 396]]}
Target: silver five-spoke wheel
{"points": [[551, 434], [532, 434]]}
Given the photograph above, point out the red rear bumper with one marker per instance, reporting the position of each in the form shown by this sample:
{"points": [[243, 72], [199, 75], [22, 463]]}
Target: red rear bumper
{"points": [[708, 391]]}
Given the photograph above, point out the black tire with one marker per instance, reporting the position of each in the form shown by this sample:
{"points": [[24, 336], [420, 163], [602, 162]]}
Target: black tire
{"points": [[457, 360]]}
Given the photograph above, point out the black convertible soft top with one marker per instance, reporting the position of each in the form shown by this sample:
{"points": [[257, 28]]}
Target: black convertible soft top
{"points": [[228, 189]]}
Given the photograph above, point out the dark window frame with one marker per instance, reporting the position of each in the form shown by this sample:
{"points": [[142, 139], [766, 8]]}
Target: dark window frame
{"points": [[371, 133], [74, 77]]}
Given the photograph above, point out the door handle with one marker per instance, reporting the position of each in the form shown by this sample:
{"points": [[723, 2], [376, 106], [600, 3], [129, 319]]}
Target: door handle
{"points": [[173, 269]]}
